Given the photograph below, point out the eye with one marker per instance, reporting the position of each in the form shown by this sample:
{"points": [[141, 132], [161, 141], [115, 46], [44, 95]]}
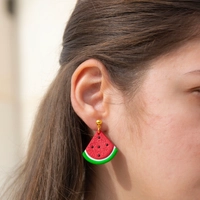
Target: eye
{"points": [[196, 91]]}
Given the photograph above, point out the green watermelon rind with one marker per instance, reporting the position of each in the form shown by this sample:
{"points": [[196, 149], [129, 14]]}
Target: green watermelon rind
{"points": [[100, 161]]}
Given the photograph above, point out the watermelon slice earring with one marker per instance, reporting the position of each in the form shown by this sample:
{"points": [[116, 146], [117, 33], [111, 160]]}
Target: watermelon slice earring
{"points": [[100, 150]]}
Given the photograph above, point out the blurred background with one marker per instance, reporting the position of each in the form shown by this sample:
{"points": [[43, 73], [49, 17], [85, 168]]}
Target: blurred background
{"points": [[30, 43]]}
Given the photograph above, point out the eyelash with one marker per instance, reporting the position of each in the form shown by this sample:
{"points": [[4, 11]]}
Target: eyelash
{"points": [[196, 90]]}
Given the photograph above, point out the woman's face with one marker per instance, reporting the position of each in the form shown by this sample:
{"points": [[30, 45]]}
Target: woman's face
{"points": [[162, 152]]}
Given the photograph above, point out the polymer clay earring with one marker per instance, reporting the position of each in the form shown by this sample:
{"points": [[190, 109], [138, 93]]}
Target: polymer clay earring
{"points": [[100, 150]]}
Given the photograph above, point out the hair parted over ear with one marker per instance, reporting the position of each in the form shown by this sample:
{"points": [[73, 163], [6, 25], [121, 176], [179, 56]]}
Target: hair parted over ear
{"points": [[89, 85]]}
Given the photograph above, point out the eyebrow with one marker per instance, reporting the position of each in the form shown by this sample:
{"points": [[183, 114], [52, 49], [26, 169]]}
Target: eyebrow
{"points": [[193, 72]]}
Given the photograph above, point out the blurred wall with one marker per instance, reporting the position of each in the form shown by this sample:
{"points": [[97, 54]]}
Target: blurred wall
{"points": [[30, 44], [9, 124], [41, 25]]}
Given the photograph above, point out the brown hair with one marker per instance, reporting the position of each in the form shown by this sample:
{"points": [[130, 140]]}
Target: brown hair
{"points": [[125, 35]]}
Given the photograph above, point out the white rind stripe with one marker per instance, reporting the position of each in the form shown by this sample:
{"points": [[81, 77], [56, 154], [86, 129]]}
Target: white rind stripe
{"points": [[103, 158]]}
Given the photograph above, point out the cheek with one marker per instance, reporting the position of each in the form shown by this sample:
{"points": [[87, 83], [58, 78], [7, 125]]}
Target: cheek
{"points": [[170, 150], [171, 129], [177, 133]]}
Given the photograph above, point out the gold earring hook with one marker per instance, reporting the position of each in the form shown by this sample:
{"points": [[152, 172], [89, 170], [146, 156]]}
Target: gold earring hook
{"points": [[98, 122]]}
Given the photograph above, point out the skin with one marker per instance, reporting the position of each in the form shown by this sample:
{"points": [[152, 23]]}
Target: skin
{"points": [[157, 131]]}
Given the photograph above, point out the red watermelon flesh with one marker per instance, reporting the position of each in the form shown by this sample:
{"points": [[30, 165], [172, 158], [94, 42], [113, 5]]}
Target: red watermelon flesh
{"points": [[100, 146]]}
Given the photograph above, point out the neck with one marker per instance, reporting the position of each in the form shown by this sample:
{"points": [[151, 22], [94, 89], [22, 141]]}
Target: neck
{"points": [[111, 181], [102, 186]]}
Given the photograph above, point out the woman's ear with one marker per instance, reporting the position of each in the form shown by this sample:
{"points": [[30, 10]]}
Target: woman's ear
{"points": [[89, 85]]}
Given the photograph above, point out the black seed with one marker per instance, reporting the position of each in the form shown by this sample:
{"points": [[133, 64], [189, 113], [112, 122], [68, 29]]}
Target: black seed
{"points": [[98, 155], [99, 137], [106, 144], [98, 146]]}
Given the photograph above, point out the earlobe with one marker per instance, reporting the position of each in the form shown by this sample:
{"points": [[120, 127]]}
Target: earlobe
{"points": [[88, 85]]}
